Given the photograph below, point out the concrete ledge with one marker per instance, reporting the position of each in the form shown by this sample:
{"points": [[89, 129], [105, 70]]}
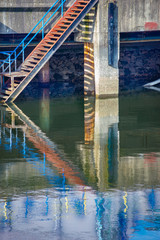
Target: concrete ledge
{"points": [[28, 9], [106, 96]]}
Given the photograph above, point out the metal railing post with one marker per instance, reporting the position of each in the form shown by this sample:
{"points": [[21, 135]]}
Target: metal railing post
{"points": [[3, 67], [9, 64], [15, 61], [10, 139], [23, 52], [59, 5], [42, 29], [62, 8]]}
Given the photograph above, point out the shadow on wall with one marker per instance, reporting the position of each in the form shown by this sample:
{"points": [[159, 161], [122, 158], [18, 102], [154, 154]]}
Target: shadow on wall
{"points": [[5, 29]]}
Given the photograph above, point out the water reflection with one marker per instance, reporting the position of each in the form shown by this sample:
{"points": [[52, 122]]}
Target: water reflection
{"points": [[100, 159], [45, 110], [92, 186]]}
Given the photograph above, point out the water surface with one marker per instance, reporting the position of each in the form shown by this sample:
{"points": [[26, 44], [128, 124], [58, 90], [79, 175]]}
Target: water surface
{"points": [[77, 168]]}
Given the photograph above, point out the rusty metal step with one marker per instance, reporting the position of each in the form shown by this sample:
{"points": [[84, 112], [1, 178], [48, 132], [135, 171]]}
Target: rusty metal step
{"points": [[53, 40]]}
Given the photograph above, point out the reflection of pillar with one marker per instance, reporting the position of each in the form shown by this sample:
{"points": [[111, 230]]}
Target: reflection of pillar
{"points": [[86, 149], [3, 115], [106, 141], [106, 48], [100, 210], [89, 115], [100, 156], [45, 110], [89, 85], [44, 74], [10, 138], [13, 120]]}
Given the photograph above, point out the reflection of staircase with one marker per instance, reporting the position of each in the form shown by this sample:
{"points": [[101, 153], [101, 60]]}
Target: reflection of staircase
{"points": [[44, 50], [40, 141]]}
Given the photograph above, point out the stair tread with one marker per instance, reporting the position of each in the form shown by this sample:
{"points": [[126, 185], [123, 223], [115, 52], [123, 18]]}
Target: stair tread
{"points": [[63, 27], [3, 96], [18, 74]]}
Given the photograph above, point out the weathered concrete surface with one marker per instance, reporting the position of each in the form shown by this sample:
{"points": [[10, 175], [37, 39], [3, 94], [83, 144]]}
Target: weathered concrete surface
{"points": [[89, 78], [21, 16], [139, 15], [135, 15], [44, 74], [106, 77]]}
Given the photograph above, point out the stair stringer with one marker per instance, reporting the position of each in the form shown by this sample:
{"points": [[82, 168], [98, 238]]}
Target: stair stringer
{"points": [[46, 58]]}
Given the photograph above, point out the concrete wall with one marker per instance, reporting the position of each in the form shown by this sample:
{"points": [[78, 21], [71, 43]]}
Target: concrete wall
{"points": [[139, 15], [20, 16]]}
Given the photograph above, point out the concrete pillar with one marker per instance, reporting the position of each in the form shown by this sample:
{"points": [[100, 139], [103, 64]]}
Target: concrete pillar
{"points": [[44, 74], [106, 48], [89, 79]]}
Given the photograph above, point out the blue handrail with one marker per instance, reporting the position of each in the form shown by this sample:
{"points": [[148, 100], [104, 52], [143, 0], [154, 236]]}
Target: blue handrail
{"points": [[12, 58]]}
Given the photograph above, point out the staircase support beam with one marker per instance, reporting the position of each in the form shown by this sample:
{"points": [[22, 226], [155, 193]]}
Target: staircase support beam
{"points": [[42, 55]]}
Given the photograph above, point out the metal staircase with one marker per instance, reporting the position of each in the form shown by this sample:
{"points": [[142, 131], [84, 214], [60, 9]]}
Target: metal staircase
{"points": [[18, 79]]}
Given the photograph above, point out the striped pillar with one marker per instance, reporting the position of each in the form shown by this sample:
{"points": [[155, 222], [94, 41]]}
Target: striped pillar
{"points": [[84, 31], [89, 84], [89, 118]]}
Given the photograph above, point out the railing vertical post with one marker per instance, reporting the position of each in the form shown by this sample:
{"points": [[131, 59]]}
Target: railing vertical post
{"points": [[23, 52], [24, 143], [62, 8], [3, 67], [15, 61], [42, 29], [9, 64], [10, 139]]}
